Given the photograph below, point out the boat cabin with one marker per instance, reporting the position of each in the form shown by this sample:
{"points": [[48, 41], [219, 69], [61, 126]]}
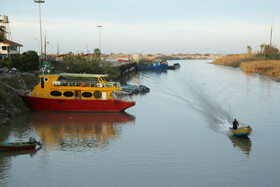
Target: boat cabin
{"points": [[75, 86]]}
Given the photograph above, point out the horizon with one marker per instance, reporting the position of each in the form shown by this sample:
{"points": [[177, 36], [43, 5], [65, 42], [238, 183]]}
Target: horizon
{"points": [[165, 27]]}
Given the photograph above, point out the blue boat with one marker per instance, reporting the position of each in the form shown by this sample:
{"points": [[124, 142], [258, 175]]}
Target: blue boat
{"points": [[157, 64]]}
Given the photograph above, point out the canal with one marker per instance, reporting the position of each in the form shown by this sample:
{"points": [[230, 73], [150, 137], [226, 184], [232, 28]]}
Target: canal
{"points": [[176, 135]]}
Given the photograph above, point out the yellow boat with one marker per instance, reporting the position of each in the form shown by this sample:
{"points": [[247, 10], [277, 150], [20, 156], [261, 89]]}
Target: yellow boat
{"points": [[241, 131], [76, 93]]}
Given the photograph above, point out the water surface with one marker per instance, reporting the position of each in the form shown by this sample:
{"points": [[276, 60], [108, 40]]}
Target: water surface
{"points": [[176, 135]]}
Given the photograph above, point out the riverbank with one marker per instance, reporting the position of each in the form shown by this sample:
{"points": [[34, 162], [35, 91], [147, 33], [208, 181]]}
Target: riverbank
{"points": [[252, 64], [11, 104]]}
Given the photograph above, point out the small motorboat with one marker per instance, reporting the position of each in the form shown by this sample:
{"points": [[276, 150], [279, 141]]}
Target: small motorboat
{"points": [[241, 131], [12, 146]]}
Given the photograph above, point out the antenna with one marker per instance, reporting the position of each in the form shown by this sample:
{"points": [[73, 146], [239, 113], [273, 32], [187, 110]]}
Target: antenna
{"points": [[270, 42], [58, 47]]}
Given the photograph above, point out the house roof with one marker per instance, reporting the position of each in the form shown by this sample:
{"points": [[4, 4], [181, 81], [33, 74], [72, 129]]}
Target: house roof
{"points": [[11, 43], [61, 55]]}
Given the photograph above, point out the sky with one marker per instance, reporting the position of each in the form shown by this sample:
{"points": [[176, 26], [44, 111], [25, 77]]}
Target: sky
{"points": [[146, 26]]}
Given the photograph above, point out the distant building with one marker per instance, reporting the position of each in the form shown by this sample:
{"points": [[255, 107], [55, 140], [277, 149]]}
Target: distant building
{"points": [[9, 49]]}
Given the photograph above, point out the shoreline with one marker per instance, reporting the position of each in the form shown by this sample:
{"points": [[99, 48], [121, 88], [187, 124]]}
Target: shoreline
{"points": [[252, 64]]}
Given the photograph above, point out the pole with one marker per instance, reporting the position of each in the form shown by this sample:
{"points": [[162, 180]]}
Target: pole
{"points": [[41, 48], [57, 47], [270, 43], [99, 26], [45, 48]]}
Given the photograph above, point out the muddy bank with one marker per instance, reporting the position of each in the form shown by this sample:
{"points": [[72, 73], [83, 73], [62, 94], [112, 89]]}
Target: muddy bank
{"points": [[11, 104]]}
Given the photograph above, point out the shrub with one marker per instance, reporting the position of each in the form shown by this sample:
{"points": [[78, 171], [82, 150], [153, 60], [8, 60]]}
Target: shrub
{"points": [[27, 61], [86, 64]]}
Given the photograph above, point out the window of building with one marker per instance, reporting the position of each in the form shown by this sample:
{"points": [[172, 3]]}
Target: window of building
{"points": [[4, 48]]}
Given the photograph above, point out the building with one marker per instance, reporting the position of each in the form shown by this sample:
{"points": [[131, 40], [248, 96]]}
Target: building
{"points": [[9, 49]]}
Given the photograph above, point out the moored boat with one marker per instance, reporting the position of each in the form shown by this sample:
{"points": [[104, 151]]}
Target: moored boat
{"points": [[174, 66], [157, 64], [134, 89], [241, 131], [76, 93], [13, 146]]}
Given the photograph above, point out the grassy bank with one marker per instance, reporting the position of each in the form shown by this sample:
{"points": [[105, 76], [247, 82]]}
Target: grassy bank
{"points": [[11, 104], [251, 64]]}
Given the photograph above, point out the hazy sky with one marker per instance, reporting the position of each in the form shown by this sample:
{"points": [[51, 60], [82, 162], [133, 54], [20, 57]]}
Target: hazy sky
{"points": [[147, 26]]}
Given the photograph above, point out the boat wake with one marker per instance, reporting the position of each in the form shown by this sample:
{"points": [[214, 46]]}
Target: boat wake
{"points": [[195, 95]]}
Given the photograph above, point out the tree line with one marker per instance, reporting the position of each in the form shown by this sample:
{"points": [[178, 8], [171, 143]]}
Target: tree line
{"points": [[270, 52]]}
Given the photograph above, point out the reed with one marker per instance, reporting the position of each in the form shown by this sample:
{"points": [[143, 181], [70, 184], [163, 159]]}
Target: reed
{"points": [[236, 60], [266, 67]]}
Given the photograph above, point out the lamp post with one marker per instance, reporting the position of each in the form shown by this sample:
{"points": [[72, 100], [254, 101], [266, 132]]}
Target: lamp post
{"points": [[99, 26], [41, 48], [46, 48]]}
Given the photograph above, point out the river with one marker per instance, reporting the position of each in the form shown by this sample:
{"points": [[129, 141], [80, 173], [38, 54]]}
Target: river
{"points": [[176, 135]]}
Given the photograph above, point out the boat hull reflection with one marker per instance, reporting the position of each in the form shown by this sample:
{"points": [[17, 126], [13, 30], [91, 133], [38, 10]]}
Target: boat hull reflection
{"points": [[80, 118], [79, 131], [243, 142]]}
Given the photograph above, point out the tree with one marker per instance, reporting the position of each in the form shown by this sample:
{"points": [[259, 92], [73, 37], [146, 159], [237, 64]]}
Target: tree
{"points": [[262, 47], [249, 49], [97, 53], [84, 64], [27, 61], [271, 52]]}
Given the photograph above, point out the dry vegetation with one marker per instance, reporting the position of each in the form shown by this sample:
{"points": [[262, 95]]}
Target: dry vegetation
{"points": [[251, 64], [236, 60], [266, 67]]}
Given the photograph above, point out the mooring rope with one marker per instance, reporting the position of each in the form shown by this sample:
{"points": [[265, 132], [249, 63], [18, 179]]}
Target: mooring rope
{"points": [[9, 87]]}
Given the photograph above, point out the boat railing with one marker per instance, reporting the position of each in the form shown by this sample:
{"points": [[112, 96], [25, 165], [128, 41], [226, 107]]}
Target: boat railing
{"points": [[114, 96], [86, 84], [122, 95]]}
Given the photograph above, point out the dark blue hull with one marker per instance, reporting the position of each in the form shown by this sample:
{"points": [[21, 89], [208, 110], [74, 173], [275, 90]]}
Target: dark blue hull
{"points": [[152, 67]]}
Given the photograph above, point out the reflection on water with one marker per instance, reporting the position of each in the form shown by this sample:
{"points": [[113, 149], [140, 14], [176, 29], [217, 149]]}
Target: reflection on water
{"points": [[78, 131], [243, 143], [60, 131], [31, 153]]}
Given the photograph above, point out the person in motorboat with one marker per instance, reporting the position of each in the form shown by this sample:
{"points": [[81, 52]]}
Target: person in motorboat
{"points": [[235, 124]]}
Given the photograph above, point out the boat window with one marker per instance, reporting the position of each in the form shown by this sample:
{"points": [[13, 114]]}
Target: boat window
{"points": [[87, 94], [68, 94], [97, 94], [42, 82], [56, 93]]}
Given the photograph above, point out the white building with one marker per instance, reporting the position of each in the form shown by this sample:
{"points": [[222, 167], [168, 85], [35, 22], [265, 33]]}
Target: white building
{"points": [[9, 49]]}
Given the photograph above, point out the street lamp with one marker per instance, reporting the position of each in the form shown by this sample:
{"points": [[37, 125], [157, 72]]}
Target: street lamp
{"points": [[41, 51], [99, 26], [46, 48]]}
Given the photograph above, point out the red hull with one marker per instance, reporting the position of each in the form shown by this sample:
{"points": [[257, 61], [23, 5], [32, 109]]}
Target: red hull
{"points": [[73, 105], [14, 148]]}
